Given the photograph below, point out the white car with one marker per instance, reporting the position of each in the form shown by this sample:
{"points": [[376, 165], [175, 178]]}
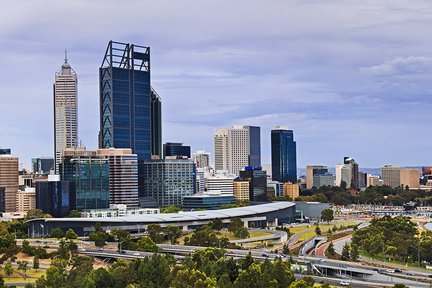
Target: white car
{"points": [[344, 283], [136, 254], [390, 271]]}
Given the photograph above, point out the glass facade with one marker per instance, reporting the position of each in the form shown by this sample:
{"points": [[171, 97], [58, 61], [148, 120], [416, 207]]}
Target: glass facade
{"points": [[254, 146], [42, 166], [206, 202], [176, 149], [284, 156], [89, 181], [167, 181], [125, 102], [257, 179], [52, 197], [5, 151], [156, 118]]}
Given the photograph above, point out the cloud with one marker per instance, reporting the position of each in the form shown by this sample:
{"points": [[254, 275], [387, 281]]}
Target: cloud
{"points": [[401, 66]]}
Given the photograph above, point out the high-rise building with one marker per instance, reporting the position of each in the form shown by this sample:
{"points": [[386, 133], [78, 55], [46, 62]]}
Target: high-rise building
{"points": [[236, 148], [9, 181], [257, 179], [130, 111], [355, 181], [201, 159], [123, 175], [311, 171], [65, 111], [156, 123], [394, 176], [200, 180], [171, 149], [325, 179], [52, 196], [221, 182], [5, 151], [291, 190], [241, 190], [168, 180], [42, 165], [26, 200], [343, 173], [88, 176], [284, 155]]}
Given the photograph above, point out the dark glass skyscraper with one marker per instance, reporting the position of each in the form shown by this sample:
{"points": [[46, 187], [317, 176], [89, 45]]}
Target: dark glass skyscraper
{"points": [[284, 155], [127, 119], [176, 149], [254, 146]]}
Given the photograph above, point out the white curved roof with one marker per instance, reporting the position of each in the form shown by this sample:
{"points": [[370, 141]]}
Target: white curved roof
{"points": [[247, 211]]}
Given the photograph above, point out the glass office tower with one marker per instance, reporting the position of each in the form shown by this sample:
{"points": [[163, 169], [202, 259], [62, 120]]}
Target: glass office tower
{"points": [[127, 119], [284, 155]]}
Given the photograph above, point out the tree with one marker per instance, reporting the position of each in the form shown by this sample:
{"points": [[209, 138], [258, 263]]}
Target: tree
{"points": [[299, 284], [354, 252], [74, 214], [235, 225], [330, 252], [23, 266], [399, 285], [170, 209], [99, 238], [153, 271], [317, 231], [327, 215], [36, 263], [217, 224], [57, 233], [285, 249], [36, 213], [147, 245], [70, 234], [345, 252], [155, 233], [8, 269], [242, 233], [55, 277], [189, 278], [309, 281], [82, 266], [172, 233], [101, 278]]}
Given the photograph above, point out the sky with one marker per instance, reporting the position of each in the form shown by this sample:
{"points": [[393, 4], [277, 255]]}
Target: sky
{"points": [[351, 78]]}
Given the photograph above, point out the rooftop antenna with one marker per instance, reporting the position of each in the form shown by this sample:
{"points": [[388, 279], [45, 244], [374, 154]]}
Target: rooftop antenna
{"points": [[65, 56]]}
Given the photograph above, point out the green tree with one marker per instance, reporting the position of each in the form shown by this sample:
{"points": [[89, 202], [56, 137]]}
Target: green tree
{"points": [[82, 266], [285, 249], [36, 213], [399, 285], [354, 252], [8, 269], [327, 215], [325, 285], [70, 234], [330, 252], [224, 281], [172, 233], [251, 277], [155, 233], [317, 230], [23, 266], [345, 252], [74, 214], [57, 233], [299, 284], [170, 209], [55, 277], [190, 278], [101, 278], [146, 244], [235, 225], [309, 281], [242, 233], [153, 271], [36, 263], [282, 273], [99, 238], [217, 224], [26, 248]]}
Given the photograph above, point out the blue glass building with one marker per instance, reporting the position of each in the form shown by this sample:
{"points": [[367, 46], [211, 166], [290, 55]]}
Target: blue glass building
{"points": [[5, 151], [254, 146], [284, 155], [88, 178], [53, 197], [176, 149], [129, 109]]}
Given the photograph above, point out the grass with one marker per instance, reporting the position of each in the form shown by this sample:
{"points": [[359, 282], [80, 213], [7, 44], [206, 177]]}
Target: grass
{"points": [[229, 235], [385, 259]]}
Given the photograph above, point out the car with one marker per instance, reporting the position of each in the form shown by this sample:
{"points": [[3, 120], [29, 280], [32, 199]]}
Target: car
{"points": [[82, 249], [38, 241], [430, 275], [376, 269], [264, 255], [136, 254], [390, 271], [344, 283], [232, 252], [46, 246], [121, 251], [398, 271], [410, 274], [99, 249]]}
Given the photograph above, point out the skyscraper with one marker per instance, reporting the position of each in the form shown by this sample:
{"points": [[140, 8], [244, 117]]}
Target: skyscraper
{"points": [[177, 150], [65, 111], [9, 181], [355, 183], [130, 110], [284, 155], [201, 159], [237, 147]]}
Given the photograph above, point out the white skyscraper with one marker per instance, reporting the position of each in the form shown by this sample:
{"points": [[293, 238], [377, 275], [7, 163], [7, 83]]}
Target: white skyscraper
{"points": [[343, 173], [65, 111], [236, 148]]}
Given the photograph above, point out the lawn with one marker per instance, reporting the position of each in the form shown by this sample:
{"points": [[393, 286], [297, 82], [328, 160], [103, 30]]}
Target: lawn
{"points": [[229, 235]]}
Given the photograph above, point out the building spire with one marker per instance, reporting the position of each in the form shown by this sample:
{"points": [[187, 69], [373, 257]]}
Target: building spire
{"points": [[66, 56]]}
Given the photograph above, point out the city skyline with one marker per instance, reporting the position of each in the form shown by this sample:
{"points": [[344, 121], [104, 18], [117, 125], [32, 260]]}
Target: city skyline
{"points": [[338, 84]]}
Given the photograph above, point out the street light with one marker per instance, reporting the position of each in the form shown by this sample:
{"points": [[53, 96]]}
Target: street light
{"points": [[120, 247]]}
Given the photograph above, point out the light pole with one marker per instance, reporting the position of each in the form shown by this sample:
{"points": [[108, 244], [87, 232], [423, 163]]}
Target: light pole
{"points": [[120, 247]]}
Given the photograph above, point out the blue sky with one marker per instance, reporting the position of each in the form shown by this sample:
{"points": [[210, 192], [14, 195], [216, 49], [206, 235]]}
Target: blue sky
{"points": [[349, 77]]}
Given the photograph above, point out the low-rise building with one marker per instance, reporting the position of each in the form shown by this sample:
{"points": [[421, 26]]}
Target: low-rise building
{"points": [[291, 190], [118, 210], [241, 190], [26, 199]]}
